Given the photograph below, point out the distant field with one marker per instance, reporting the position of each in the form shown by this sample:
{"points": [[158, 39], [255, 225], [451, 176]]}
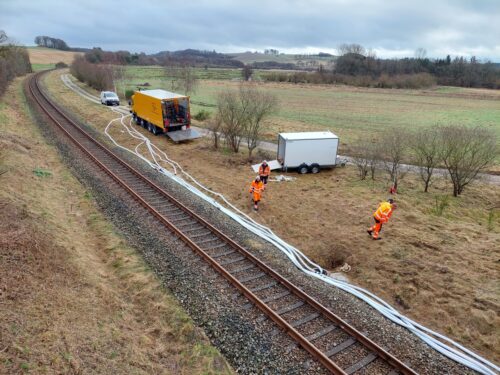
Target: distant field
{"points": [[352, 113], [46, 56], [250, 57]]}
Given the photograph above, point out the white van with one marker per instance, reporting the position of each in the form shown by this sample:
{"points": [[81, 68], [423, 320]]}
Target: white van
{"points": [[109, 98]]}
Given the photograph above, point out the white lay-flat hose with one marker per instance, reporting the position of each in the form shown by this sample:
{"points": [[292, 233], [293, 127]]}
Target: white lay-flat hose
{"points": [[452, 349]]}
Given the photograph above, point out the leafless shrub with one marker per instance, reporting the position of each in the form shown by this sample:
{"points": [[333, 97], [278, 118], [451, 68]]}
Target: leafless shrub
{"points": [[247, 72], [262, 104], [14, 61], [215, 127], [243, 114], [426, 146], [366, 159], [466, 152], [233, 110], [181, 78], [394, 149], [100, 77]]}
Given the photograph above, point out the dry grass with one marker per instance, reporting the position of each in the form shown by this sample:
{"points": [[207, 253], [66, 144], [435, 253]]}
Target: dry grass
{"points": [[73, 297], [41, 55], [440, 270]]}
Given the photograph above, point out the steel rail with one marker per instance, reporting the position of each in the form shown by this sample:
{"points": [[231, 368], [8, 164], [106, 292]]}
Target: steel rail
{"points": [[36, 91]]}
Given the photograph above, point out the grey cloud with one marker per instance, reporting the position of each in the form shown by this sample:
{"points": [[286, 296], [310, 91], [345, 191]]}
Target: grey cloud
{"points": [[390, 26]]}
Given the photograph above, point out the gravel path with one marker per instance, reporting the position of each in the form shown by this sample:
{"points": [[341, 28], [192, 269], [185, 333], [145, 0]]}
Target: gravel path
{"points": [[236, 331]]}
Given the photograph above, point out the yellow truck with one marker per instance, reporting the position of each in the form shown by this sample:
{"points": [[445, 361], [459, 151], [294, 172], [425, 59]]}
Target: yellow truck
{"points": [[161, 111]]}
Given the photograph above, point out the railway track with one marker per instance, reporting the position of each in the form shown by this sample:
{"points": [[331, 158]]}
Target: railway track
{"points": [[339, 347]]}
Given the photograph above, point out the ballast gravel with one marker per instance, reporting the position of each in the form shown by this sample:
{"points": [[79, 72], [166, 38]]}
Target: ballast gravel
{"points": [[214, 305]]}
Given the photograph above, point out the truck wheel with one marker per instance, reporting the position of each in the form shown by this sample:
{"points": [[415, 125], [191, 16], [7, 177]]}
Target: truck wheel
{"points": [[303, 168], [154, 129], [315, 168], [150, 127], [144, 124]]}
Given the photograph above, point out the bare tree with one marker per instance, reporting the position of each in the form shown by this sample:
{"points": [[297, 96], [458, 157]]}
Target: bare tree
{"points": [[394, 149], [215, 127], [261, 105], [420, 53], [3, 37], [367, 158], [426, 147], [182, 78], [466, 152], [233, 110], [345, 49], [247, 72]]}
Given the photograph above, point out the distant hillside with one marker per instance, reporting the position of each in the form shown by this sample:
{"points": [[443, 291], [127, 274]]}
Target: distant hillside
{"points": [[42, 55], [199, 58], [299, 61]]}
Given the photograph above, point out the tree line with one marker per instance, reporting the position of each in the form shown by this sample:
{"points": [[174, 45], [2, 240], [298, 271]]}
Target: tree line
{"points": [[14, 61], [463, 152], [177, 58], [359, 67], [49, 42]]}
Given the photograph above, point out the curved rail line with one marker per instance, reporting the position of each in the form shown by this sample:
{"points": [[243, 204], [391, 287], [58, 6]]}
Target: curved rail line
{"points": [[339, 347]]}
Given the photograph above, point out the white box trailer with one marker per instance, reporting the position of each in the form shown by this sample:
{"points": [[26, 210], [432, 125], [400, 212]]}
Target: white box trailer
{"points": [[308, 151]]}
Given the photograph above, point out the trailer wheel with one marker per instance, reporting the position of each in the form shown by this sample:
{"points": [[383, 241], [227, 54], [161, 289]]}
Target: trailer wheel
{"points": [[315, 168], [144, 124], [154, 129], [303, 168]]}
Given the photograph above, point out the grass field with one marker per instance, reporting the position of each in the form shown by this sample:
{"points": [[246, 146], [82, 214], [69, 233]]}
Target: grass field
{"points": [[351, 113], [308, 61], [46, 58]]}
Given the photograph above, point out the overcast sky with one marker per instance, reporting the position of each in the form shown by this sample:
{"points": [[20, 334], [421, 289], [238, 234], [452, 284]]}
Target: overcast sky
{"points": [[392, 28]]}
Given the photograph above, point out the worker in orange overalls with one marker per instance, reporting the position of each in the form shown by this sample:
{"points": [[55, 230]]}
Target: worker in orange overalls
{"points": [[264, 172], [256, 190], [381, 216]]}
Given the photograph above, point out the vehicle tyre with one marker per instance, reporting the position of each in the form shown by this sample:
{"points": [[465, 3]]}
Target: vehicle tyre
{"points": [[315, 168], [150, 127], [154, 129], [303, 168], [144, 124]]}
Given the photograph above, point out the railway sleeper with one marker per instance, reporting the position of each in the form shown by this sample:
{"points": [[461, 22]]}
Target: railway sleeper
{"points": [[215, 247], [208, 240], [231, 261], [252, 277], [342, 346], [296, 323], [223, 254], [241, 269], [206, 233], [193, 229], [361, 363]]}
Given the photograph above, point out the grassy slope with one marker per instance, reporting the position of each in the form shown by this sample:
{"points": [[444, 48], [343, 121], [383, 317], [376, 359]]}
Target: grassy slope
{"points": [[45, 58], [74, 297], [440, 270]]}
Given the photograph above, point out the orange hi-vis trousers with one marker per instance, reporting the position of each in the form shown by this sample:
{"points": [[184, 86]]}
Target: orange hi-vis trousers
{"points": [[376, 228]]}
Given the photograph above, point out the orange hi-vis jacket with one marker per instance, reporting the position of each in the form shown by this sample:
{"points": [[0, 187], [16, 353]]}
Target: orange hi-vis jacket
{"points": [[264, 171], [383, 212], [256, 188]]}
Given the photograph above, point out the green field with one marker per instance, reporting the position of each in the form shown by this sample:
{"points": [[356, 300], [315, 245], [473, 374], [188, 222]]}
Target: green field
{"points": [[38, 67], [349, 112]]}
